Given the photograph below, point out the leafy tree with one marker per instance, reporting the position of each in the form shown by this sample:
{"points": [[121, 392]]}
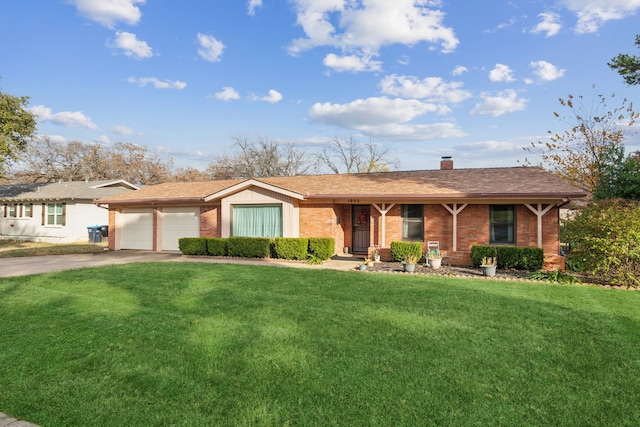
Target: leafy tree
{"points": [[260, 158], [348, 155], [17, 126], [620, 180], [46, 160], [605, 237], [627, 66], [593, 142]]}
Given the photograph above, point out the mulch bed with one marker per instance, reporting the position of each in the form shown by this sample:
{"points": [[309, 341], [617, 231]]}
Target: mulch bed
{"points": [[447, 270]]}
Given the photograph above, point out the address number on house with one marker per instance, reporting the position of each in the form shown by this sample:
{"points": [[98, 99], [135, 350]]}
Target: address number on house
{"points": [[354, 200]]}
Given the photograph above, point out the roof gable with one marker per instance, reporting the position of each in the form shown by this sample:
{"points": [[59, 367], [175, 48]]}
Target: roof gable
{"points": [[494, 183], [71, 190]]}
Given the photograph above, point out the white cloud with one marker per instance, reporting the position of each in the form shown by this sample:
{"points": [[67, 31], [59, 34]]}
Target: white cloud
{"points": [[351, 63], [501, 73], [505, 102], [131, 46], [546, 71], [594, 13], [108, 12], [210, 48], [253, 5], [158, 84], [227, 94], [366, 26], [431, 88], [459, 70], [102, 139], [549, 25], [64, 118], [273, 97], [383, 117], [124, 130]]}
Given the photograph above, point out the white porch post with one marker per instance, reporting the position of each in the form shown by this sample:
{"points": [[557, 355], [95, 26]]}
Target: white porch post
{"points": [[455, 211], [383, 209], [539, 213]]}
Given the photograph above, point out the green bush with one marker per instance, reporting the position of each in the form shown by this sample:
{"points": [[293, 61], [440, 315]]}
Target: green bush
{"points": [[399, 250], [290, 248], [530, 259], [217, 247], [605, 238], [322, 247], [249, 247], [193, 246]]}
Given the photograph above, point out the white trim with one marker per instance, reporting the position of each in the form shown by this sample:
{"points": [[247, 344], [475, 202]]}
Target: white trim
{"points": [[119, 181], [383, 211], [455, 211], [539, 212], [252, 183]]}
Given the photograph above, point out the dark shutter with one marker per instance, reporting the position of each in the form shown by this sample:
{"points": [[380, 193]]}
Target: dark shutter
{"points": [[44, 209], [64, 214]]}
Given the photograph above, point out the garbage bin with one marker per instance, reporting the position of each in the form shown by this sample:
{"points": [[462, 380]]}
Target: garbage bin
{"points": [[95, 233], [105, 230]]}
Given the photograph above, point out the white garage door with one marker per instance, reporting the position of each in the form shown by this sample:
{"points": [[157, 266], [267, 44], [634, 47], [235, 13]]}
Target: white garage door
{"points": [[178, 223], [136, 229]]}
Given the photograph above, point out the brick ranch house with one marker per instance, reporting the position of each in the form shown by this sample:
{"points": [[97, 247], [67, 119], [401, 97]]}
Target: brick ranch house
{"points": [[458, 208]]}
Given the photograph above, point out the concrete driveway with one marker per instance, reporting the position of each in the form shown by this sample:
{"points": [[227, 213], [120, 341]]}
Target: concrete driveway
{"points": [[22, 266]]}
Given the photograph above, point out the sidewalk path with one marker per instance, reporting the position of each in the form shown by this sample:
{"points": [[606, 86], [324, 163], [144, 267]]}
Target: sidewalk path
{"points": [[22, 266]]}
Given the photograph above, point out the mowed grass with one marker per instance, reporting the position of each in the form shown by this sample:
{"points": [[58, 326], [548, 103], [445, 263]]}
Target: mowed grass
{"points": [[210, 344]]}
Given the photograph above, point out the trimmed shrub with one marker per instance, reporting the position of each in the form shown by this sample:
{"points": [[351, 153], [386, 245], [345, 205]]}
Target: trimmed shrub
{"points": [[322, 247], [509, 256], [193, 246], [290, 248], [399, 250], [249, 247], [217, 247]]}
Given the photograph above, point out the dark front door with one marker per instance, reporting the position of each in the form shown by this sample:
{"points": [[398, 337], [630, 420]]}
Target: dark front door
{"points": [[360, 223]]}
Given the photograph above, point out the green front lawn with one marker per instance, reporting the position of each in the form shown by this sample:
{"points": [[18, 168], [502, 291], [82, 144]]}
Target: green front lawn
{"points": [[210, 344]]}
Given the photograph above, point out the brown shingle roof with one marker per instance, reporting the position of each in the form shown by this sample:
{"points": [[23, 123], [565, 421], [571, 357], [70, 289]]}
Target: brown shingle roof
{"points": [[455, 183]]}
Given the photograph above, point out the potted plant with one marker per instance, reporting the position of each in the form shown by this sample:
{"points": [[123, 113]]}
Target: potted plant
{"points": [[362, 266], [488, 266], [409, 262], [376, 253], [435, 259], [368, 262]]}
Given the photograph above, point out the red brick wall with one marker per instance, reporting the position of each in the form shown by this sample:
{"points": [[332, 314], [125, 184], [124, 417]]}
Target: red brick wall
{"points": [[210, 221], [322, 221]]}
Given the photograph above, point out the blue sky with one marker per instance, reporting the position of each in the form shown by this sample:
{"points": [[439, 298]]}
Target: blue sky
{"points": [[476, 80]]}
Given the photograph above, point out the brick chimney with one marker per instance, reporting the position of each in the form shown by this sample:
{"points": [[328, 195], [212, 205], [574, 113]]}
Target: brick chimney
{"points": [[446, 163]]}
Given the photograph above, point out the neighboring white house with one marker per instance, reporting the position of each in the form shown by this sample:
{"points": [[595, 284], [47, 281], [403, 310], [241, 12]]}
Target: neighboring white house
{"points": [[56, 212]]}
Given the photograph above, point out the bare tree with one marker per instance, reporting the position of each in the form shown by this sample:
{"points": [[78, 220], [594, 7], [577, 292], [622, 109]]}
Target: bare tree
{"points": [[347, 155], [46, 160], [260, 158], [190, 174]]}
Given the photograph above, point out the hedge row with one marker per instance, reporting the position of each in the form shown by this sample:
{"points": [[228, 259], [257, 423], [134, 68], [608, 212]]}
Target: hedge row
{"points": [[531, 259], [399, 250], [259, 247]]}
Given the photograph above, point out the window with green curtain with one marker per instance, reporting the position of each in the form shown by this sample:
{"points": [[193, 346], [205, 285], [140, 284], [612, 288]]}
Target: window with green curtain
{"points": [[413, 222], [54, 214], [256, 220], [503, 219]]}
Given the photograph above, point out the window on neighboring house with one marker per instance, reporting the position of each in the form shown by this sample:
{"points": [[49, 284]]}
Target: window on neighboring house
{"points": [[27, 212], [256, 220], [503, 220], [413, 222], [55, 214], [13, 211]]}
